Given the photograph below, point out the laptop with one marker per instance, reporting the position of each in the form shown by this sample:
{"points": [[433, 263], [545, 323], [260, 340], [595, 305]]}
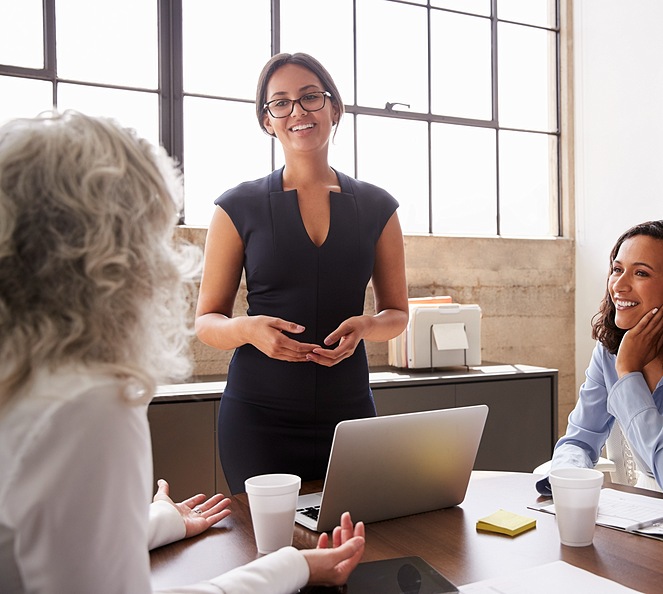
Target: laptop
{"points": [[397, 465]]}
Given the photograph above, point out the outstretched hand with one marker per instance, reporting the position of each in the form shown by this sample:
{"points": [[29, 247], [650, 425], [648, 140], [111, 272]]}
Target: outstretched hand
{"points": [[333, 566], [198, 512]]}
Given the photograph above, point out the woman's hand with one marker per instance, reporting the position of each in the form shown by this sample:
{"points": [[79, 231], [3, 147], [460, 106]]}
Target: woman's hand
{"points": [[348, 335], [267, 335], [333, 566], [198, 512], [641, 344]]}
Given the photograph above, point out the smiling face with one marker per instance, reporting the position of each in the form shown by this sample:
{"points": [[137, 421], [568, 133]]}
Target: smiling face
{"points": [[635, 284], [301, 130]]}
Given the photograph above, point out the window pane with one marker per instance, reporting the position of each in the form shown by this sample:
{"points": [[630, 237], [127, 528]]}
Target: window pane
{"points": [[392, 63], [223, 56], [223, 146], [460, 66], [331, 44], [24, 98], [21, 36], [225, 45], [533, 12], [130, 108], [342, 146], [481, 7], [527, 78], [399, 167], [464, 180], [108, 42], [528, 184]]}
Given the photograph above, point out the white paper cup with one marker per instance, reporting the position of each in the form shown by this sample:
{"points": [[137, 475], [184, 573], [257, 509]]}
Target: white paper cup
{"points": [[273, 502], [576, 493]]}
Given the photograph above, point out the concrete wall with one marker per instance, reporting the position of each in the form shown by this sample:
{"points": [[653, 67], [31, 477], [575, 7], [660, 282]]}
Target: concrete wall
{"points": [[525, 288]]}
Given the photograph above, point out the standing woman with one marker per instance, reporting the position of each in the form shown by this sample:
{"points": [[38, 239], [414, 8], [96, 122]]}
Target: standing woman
{"points": [[309, 239], [624, 382]]}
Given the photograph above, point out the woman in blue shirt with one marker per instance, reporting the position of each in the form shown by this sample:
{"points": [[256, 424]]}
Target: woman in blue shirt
{"points": [[624, 380]]}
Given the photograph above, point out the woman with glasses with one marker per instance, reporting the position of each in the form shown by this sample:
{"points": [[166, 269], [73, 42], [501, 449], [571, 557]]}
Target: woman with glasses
{"points": [[309, 239]]}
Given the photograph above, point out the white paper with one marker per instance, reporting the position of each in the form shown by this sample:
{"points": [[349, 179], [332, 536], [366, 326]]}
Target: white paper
{"points": [[551, 578], [450, 337], [627, 511]]}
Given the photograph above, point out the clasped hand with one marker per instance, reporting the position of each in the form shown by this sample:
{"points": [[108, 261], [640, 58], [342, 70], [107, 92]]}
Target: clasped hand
{"points": [[269, 336]]}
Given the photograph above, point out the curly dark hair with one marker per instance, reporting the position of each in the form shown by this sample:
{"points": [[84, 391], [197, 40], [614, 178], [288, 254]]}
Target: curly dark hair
{"points": [[604, 328]]}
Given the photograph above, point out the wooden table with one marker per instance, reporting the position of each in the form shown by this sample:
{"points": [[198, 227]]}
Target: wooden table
{"points": [[447, 539]]}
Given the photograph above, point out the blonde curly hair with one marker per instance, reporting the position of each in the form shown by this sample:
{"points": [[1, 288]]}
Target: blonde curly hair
{"points": [[89, 271]]}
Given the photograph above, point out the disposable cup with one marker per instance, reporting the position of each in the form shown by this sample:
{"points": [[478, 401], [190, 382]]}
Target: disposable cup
{"points": [[576, 493], [273, 502]]}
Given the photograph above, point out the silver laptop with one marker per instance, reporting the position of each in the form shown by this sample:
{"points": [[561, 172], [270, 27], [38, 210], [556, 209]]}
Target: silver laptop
{"points": [[392, 466]]}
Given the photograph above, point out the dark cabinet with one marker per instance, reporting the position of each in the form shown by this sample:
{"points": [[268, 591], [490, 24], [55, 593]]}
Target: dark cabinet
{"points": [[184, 446], [521, 428], [520, 432], [393, 401]]}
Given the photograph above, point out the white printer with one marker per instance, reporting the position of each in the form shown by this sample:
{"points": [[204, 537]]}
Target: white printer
{"points": [[438, 334]]}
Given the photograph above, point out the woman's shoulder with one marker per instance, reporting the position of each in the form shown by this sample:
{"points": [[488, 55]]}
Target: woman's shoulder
{"points": [[72, 400], [602, 361], [245, 190], [89, 389], [365, 190], [602, 353]]}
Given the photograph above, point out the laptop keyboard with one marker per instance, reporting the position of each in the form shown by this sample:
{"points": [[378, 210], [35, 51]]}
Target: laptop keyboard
{"points": [[310, 512]]}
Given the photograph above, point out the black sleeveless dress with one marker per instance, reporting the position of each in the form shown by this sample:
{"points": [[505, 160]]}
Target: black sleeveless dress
{"points": [[277, 416]]}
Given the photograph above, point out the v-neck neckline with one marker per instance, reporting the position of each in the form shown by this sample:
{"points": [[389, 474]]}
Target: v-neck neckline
{"points": [[277, 179], [300, 218]]}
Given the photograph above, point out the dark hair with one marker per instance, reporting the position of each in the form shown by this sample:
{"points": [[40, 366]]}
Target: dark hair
{"points": [[300, 59], [604, 328]]}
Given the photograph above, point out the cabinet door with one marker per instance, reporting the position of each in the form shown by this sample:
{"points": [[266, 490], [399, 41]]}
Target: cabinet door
{"points": [[393, 401], [183, 446], [518, 432]]}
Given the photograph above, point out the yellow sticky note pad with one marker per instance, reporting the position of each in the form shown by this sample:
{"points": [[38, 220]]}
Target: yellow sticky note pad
{"points": [[506, 522]]}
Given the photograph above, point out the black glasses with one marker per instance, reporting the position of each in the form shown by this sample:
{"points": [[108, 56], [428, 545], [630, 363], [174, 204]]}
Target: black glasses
{"points": [[282, 108]]}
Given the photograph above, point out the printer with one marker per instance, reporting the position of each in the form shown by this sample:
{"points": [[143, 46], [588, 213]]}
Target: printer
{"points": [[438, 334]]}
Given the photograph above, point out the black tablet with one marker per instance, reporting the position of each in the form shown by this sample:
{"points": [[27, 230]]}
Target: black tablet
{"points": [[403, 575]]}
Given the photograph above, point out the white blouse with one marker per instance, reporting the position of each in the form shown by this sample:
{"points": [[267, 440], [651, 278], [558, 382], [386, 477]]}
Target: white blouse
{"points": [[75, 490]]}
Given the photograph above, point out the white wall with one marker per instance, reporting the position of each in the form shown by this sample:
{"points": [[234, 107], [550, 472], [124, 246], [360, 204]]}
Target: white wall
{"points": [[618, 55]]}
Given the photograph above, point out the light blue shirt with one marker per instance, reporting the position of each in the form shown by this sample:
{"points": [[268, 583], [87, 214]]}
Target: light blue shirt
{"points": [[603, 398]]}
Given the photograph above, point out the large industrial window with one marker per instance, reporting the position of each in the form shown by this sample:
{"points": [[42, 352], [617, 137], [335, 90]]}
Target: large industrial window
{"points": [[451, 105]]}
